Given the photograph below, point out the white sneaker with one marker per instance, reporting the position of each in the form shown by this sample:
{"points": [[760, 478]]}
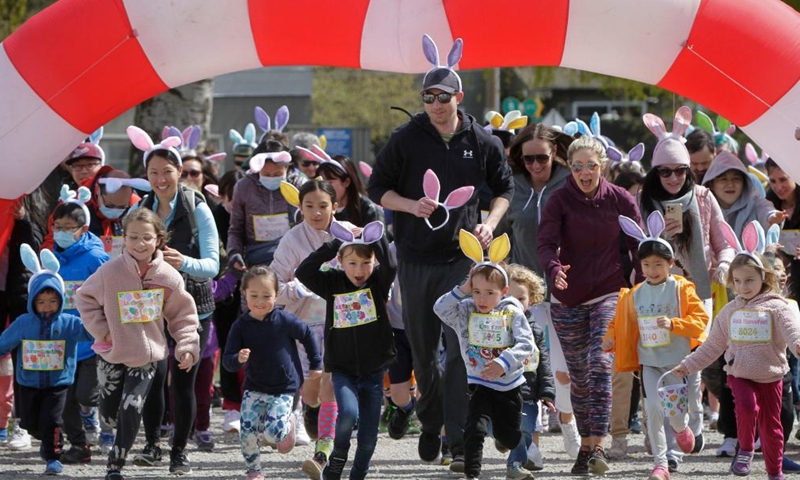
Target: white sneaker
{"points": [[232, 422], [20, 440], [535, 457], [301, 436], [728, 448], [619, 448], [572, 441]]}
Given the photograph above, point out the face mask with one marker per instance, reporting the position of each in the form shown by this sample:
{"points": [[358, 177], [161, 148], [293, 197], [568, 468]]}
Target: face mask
{"points": [[64, 239], [111, 212], [271, 183]]}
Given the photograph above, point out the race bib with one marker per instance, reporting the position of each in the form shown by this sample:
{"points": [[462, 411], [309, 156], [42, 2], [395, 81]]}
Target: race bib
{"points": [[113, 244], [651, 335], [140, 306], [354, 309], [531, 363], [43, 355], [751, 326], [267, 228], [70, 295], [489, 331]]}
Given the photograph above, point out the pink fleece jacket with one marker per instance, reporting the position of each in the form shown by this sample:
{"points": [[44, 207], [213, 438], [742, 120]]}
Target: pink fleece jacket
{"points": [[111, 303], [716, 248], [762, 362]]}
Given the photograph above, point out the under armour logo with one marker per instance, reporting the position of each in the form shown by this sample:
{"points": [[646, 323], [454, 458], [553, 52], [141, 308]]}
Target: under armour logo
{"points": [[468, 154]]}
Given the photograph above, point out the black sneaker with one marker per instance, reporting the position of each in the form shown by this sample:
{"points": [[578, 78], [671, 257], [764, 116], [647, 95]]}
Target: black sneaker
{"points": [[76, 454], [598, 463], [150, 456], [179, 462], [333, 470], [581, 466], [114, 475], [429, 446], [699, 443], [457, 464], [398, 423], [672, 465], [310, 419]]}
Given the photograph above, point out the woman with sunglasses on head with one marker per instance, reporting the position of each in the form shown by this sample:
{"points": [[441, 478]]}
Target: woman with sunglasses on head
{"points": [[354, 206], [579, 251]]}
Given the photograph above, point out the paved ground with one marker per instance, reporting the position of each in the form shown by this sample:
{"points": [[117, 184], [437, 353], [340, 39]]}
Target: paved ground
{"points": [[393, 460]]}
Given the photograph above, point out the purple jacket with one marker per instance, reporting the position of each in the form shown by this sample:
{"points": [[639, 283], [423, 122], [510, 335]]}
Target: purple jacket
{"points": [[587, 232]]}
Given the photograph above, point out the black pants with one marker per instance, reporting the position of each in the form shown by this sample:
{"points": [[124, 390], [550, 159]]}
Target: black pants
{"points": [[225, 314], [122, 393], [84, 391], [40, 411], [184, 401], [503, 409], [787, 409]]}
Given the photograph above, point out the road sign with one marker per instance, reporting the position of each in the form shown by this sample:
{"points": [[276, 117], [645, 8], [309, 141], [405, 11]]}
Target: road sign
{"points": [[510, 103], [340, 141]]}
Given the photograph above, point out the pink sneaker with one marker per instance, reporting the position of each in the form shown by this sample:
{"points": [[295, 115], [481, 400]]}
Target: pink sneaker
{"points": [[659, 473], [253, 475], [287, 444], [685, 440]]}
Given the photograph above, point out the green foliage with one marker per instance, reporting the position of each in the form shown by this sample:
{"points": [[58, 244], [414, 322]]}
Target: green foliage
{"points": [[14, 13]]}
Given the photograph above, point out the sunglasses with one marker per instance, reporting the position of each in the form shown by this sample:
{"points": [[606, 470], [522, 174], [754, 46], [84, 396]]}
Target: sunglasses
{"points": [[191, 173], [443, 97], [578, 167], [539, 157], [309, 163], [665, 172]]}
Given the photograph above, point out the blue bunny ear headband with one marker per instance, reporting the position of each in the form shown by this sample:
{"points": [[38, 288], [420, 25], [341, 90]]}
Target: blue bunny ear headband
{"points": [[655, 226], [48, 266], [79, 198], [592, 130], [248, 139], [264, 123], [373, 231]]}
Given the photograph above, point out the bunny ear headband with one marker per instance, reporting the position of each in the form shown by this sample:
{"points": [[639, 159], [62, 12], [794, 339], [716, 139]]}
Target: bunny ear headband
{"points": [[113, 184], [317, 154], [512, 121], [752, 156], [263, 121], [190, 138], [48, 266], [457, 198], [79, 198], [440, 76], [753, 239], [292, 196], [258, 161], [655, 225], [670, 147], [248, 139], [143, 142], [498, 250], [365, 168], [591, 130], [373, 231], [90, 148], [634, 156], [721, 132]]}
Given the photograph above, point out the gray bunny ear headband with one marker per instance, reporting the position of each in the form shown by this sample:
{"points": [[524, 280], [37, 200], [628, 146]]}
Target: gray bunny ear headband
{"points": [[373, 231], [655, 226]]}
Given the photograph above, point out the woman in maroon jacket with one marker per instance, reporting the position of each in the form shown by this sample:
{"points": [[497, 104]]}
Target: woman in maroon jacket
{"points": [[579, 238]]}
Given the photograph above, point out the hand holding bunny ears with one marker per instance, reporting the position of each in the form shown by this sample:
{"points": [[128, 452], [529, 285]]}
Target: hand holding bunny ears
{"points": [[498, 250], [655, 226], [373, 231], [80, 198], [48, 266], [143, 142], [457, 198]]}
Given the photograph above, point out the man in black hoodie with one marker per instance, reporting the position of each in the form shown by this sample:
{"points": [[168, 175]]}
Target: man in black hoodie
{"points": [[461, 153]]}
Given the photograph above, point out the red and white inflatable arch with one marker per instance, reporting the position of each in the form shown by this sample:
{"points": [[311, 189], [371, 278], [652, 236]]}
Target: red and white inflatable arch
{"points": [[80, 63]]}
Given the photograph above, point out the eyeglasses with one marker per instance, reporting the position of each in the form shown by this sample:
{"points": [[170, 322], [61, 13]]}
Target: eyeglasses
{"points": [[191, 173], [665, 172], [578, 167], [443, 97], [84, 166], [309, 163], [539, 157], [144, 238], [66, 229]]}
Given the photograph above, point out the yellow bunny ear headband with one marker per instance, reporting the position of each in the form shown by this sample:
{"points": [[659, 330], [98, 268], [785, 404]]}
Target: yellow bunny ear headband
{"points": [[498, 250], [292, 196]]}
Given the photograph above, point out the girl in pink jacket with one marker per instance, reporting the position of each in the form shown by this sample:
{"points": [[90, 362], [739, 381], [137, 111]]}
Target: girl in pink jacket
{"points": [[124, 305]]}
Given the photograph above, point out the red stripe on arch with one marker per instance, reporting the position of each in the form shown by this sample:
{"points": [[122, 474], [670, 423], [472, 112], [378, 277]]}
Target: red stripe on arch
{"points": [[321, 32], [521, 33], [754, 42], [81, 58]]}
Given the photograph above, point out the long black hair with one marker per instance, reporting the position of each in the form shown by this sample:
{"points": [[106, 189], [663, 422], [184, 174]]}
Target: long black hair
{"points": [[653, 192]]}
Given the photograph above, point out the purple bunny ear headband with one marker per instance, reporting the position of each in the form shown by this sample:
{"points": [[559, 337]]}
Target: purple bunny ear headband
{"points": [[634, 156], [190, 138], [442, 76], [655, 226], [264, 123], [457, 198], [317, 154], [79, 198], [750, 239], [143, 142], [373, 231], [113, 184]]}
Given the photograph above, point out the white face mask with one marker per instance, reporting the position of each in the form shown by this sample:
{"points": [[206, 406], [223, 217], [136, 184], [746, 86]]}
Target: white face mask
{"points": [[111, 213], [271, 183]]}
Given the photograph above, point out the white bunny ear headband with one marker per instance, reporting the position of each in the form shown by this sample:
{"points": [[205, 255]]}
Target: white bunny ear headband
{"points": [[457, 198], [264, 123], [317, 154], [258, 161], [79, 198], [48, 266], [373, 231], [498, 250], [512, 121], [90, 148], [143, 142], [655, 226], [113, 184], [753, 241], [634, 156], [592, 130]]}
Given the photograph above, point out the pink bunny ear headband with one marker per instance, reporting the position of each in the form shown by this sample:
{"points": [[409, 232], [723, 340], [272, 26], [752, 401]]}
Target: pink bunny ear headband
{"points": [[113, 184], [90, 148], [263, 121], [373, 231], [753, 157], [655, 226], [143, 142], [190, 138], [752, 238], [317, 154], [457, 198], [79, 198], [258, 161], [670, 147]]}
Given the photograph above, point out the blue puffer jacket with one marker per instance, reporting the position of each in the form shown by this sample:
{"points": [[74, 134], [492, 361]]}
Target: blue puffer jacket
{"points": [[46, 357]]}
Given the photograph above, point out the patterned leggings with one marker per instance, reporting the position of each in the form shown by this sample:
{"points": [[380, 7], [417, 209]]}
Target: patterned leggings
{"points": [[580, 330], [267, 414], [122, 394]]}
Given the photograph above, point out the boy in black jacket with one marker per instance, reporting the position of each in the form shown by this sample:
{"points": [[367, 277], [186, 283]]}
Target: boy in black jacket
{"points": [[359, 344]]}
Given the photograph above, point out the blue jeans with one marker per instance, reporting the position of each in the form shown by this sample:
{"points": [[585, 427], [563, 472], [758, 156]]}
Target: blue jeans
{"points": [[359, 398], [530, 413]]}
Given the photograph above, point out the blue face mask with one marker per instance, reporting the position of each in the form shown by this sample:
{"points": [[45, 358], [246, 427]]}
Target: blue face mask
{"points": [[271, 183], [111, 213], [64, 239]]}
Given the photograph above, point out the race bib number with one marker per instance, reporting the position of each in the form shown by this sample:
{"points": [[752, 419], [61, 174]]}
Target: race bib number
{"points": [[651, 335], [43, 355], [267, 228], [70, 295], [354, 309], [113, 244], [140, 306], [489, 331], [751, 326]]}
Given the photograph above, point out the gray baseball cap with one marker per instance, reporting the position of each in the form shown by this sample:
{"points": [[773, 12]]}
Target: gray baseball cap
{"points": [[442, 78]]}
